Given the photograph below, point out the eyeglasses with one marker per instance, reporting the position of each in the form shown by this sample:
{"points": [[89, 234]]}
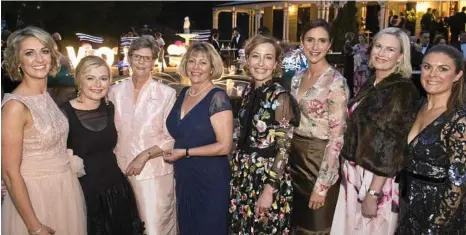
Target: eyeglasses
{"points": [[138, 58]]}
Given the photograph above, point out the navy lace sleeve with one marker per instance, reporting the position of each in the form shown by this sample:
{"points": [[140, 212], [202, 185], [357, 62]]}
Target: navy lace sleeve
{"points": [[454, 138], [219, 103]]}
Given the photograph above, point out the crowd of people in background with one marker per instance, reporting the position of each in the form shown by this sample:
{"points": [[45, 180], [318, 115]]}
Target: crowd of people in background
{"points": [[363, 152]]}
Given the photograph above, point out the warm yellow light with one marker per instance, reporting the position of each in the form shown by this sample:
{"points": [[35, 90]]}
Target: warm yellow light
{"points": [[87, 50], [176, 50], [422, 6], [292, 8]]}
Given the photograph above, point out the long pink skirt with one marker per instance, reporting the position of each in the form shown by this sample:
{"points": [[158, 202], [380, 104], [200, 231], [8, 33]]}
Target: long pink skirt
{"points": [[348, 219], [57, 200]]}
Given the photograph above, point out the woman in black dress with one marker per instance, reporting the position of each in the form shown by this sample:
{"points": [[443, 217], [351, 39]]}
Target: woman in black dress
{"points": [[110, 202], [433, 185], [261, 191]]}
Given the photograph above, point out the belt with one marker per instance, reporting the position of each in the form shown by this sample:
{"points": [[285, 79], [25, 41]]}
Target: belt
{"points": [[403, 176]]}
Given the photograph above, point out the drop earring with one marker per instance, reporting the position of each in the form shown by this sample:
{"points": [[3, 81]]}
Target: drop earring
{"points": [[78, 96]]}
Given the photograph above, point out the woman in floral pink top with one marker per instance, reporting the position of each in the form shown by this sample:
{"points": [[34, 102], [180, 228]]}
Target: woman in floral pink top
{"points": [[323, 95]]}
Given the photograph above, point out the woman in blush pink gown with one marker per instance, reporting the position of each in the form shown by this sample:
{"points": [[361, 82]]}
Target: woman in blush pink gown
{"points": [[44, 196]]}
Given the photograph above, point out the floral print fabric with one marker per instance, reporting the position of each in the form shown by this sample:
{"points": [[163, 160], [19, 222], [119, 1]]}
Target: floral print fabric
{"points": [[267, 117], [323, 115]]}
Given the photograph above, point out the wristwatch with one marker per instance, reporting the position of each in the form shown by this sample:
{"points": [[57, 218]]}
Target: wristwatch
{"points": [[187, 153], [374, 193]]}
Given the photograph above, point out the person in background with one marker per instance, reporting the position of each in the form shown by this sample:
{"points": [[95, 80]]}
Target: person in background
{"points": [[349, 61], [8, 84], [361, 59], [426, 20], [440, 39], [433, 184], [142, 105], [44, 196], [394, 21], [380, 117], [461, 44], [457, 23], [434, 25], [264, 31], [237, 40], [443, 26], [424, 38], [161, 56], [215, 42]]}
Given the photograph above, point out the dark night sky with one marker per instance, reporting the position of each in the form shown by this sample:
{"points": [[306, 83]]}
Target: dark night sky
{"points": [[108, 19]]}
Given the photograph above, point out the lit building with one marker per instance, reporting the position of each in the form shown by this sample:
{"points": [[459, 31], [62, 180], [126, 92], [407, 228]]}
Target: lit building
{"points": [[285, 19]]}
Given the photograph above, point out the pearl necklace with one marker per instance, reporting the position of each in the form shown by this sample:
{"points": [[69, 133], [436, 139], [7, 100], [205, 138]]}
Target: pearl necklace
{"points": [[202, 91]]}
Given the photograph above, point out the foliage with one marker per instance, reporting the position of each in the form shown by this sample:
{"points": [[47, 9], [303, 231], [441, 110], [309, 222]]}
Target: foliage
{"points": [[411, 15], [342, 25]]}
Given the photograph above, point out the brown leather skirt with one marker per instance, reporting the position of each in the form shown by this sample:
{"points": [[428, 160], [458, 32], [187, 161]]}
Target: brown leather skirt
{"points": [[305, 160]]}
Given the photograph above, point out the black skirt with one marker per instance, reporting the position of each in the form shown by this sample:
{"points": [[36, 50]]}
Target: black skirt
{"points": [[114, 211]]}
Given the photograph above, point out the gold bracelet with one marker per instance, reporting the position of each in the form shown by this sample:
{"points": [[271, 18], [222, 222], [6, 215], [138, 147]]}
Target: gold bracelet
{"points": [[37, 231]]}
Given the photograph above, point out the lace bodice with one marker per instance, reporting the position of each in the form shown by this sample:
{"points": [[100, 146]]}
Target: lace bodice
{"points": [[44, 144]]}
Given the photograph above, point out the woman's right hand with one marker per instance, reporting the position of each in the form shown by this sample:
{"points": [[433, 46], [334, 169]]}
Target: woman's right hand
{"points": [[46, 230], [4, 190], [137, 164]]}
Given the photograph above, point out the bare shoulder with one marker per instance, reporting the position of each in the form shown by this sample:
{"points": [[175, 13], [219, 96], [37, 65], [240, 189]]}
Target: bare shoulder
{"points": [[14, 111]]}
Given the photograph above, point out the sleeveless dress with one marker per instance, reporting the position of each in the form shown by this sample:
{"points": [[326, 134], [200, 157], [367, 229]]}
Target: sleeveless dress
{"points": [[202, 183], [110, 201], [53, 188]]}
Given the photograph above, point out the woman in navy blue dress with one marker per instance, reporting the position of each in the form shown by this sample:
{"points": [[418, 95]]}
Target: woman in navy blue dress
{"points": [[201, 122]]}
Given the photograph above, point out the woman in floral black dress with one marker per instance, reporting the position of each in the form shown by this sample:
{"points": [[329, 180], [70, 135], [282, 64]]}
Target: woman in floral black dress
{"points": [[433, 186], [261, 190]]}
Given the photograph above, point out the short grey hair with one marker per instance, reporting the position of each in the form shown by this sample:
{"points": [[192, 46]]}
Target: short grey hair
{"points": [[145, 41]]}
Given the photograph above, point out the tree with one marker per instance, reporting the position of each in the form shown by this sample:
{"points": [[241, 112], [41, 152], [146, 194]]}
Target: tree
{"points": [[344, 23]]}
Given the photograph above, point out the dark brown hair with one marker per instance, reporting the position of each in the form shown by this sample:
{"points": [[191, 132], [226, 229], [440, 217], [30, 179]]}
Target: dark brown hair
{"points": [[316, 24], [457, 97]]}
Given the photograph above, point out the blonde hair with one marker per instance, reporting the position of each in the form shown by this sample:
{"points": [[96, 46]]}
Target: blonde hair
{"points": [[258, 40], [404, 68], [88, 62], [212, 54], [11, 54]]}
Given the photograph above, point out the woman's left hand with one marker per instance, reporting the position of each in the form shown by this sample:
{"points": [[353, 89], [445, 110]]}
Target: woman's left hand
{"points": [[265, 201], [174, 155], [316, 201], [369, 207]]}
